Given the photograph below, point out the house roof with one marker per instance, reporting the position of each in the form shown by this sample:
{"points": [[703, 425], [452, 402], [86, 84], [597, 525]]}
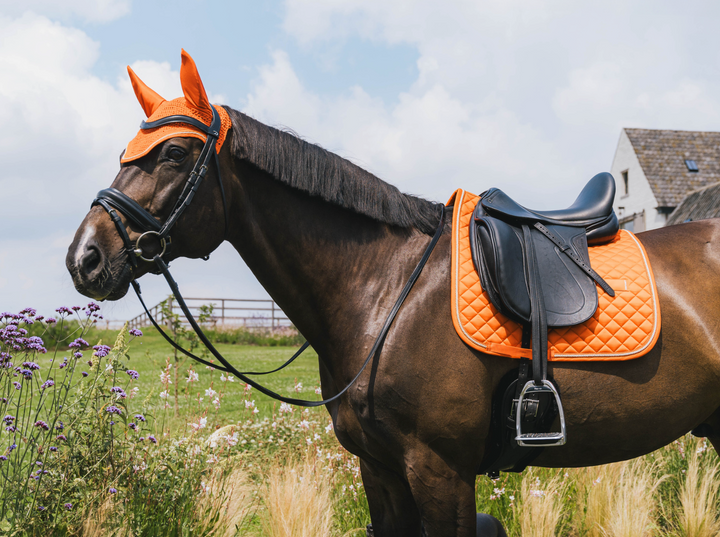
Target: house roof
{"points": [[662, 156], [697, 205]]}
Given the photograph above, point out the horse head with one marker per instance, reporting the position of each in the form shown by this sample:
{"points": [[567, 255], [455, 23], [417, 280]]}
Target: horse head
{"points": [[162, 169]]}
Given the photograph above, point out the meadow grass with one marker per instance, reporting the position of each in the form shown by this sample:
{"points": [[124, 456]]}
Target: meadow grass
{"points": [[226, 460]]}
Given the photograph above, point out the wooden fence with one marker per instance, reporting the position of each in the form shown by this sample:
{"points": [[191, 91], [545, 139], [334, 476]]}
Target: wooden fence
{"points": [[248, 313]]}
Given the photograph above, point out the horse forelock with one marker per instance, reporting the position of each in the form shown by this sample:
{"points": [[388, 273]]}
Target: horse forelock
{"points": [[312, 169]]}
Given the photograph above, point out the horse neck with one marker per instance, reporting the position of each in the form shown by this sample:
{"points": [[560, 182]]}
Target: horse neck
{"points": [[331, 270]]}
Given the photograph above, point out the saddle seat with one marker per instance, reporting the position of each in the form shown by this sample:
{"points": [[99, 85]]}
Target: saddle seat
{"points": [[591, 210]]}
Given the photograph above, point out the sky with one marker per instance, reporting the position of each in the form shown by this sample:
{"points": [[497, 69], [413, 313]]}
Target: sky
{"points": [[529, 96]]}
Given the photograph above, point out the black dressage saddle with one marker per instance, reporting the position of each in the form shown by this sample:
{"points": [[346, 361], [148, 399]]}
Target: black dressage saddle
{"points": [[535, 268]]}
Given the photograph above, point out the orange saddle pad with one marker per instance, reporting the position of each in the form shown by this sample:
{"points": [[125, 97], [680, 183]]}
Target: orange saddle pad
{"points": [[624, 327]]}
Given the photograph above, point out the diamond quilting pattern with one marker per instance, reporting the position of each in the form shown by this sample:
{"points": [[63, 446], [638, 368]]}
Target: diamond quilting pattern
{"points": [[624, 327]]}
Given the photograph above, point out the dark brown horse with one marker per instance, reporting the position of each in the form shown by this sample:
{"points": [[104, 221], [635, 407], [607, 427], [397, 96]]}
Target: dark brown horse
{"points": [[333, 245]]}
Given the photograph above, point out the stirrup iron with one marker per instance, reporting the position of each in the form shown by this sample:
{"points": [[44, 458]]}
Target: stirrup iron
{"points": [[539, 439]]}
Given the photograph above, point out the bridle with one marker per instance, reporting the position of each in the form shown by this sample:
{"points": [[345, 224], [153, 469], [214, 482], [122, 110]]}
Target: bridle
{"points": [[111, 199]]}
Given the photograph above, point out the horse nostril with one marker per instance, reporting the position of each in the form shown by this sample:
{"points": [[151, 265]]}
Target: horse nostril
{"points": [[91, 260]]}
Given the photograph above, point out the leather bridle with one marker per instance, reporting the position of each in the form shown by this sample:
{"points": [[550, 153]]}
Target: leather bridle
{"points": [[111, 199]]}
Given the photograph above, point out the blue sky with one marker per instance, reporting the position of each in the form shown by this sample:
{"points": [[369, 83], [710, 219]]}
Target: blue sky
{"points": [[529, 96]]}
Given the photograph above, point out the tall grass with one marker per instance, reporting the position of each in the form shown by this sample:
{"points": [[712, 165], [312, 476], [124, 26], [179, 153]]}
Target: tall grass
{"points": [[540, 506], [299, 501], [698, 497]]}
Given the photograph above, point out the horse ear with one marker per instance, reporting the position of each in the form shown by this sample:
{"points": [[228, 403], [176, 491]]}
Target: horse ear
{"points": [[192, 86], [149, 100]]}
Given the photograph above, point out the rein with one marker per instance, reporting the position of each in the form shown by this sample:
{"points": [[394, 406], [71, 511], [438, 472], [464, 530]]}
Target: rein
{"points": [[111, 199]]}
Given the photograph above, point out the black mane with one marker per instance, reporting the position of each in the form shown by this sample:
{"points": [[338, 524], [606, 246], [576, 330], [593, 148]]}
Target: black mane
{"points": [[318, 172]]}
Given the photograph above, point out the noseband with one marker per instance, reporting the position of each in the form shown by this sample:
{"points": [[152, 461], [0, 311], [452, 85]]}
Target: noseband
{"points": [[111, 199]]}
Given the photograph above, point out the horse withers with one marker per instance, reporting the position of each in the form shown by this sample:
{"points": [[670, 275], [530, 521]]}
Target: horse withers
{"points": [[334, 245]]}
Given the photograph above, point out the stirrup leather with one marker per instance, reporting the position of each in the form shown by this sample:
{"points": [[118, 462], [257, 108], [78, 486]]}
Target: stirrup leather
{"points": [[539, 439]]}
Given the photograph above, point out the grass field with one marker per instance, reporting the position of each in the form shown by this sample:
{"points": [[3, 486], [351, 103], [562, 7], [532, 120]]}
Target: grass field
{"points": [[230, 461]]}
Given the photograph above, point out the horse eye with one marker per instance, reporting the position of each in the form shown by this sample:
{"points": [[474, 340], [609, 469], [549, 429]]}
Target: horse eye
{"points": [[176, 154]]}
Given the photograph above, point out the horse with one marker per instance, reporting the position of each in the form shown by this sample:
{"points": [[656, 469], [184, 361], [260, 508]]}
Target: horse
{"points": [[333, 245]]}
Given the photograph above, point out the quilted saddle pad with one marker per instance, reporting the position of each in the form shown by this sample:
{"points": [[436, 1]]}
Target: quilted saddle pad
{"points": [[624, 327]]}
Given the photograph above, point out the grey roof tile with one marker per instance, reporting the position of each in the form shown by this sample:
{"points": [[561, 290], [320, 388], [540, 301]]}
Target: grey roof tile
{"points": [[662, 155], [697, 205]]}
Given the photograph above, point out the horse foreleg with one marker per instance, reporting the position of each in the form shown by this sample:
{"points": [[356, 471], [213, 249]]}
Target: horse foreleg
{"points": [[392, 507], [445, 497]]}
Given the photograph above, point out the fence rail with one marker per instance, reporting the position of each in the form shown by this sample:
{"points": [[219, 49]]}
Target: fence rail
{"points": [[245, 312]]}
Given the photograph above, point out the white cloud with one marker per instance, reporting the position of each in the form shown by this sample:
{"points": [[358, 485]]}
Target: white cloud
{"points": [[88, 10], [428, 143]]}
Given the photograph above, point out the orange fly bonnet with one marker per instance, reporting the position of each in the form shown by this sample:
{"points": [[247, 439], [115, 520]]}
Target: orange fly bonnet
{"points": [[194, 104]]}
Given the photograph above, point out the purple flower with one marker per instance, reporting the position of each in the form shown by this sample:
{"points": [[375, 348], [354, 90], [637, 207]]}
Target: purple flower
{"points": [[112, 409], [152, 439], [118, 390], [8, 419], [11, 448], [39, 318], [29, 312], [133, 374], [142, 439], [3, 400], [39, 463], [62, 310], [77, 354], [41, 508], [93, 306], [76, 308], [140, 417], [51, 320], [101, 351], [42, 425], [60, 426], [132, 425], [3, 458], [78, 343], [61, 437], [32, 366], [47, 384], [112, 490], [112, 422], [17, 385], [26, 373], [84, 373], [135, 332], [68, 506], [10, 428], [53, 448]]}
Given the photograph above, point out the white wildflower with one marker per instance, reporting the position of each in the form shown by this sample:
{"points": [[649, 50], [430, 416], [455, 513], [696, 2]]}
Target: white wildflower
{"points": [[192, 376], [298, 387], [230, 378], [318, 390], [329, 427], [304, 425], [232, 440], [210, 392], [164, 394], [285, 408], [216, 402], [255, 410], [165, 377]]}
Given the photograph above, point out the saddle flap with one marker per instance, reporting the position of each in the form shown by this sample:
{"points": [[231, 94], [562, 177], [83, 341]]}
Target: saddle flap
{"points": [[570, 295]]}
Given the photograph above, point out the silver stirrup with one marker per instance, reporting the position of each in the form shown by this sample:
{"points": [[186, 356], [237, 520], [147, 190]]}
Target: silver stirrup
{"points": [[539, 439]]}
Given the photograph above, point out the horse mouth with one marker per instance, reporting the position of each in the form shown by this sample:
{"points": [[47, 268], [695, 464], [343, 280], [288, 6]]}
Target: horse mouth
{"points": [[101, 280]]}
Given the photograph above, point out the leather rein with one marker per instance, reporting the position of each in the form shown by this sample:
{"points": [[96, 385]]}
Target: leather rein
{"points": [[111, 199]]}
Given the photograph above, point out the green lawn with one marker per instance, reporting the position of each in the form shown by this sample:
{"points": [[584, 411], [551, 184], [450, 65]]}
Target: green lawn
{"points": [[150, 353]]}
